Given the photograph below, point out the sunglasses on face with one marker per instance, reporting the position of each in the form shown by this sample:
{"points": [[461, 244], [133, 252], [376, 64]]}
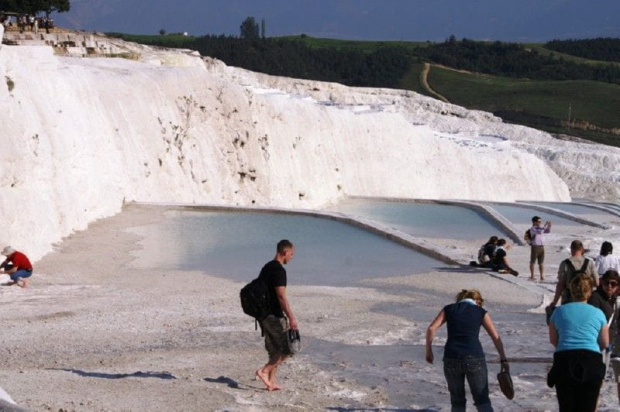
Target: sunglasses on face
{"points": [[611, 283]]}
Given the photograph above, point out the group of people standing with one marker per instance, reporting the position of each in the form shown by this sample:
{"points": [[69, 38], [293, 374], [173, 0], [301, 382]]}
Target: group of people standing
{"points": [[27, 22], [582, 329]]}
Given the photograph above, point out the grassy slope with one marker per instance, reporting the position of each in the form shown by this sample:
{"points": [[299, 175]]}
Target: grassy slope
{"points": [[595, 102]]}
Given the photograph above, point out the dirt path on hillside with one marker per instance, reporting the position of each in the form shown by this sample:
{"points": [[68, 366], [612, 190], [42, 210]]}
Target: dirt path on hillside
{"points": [[427, 87]]}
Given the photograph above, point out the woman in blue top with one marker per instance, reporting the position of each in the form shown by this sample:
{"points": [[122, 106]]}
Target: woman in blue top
{"points": [[579, 332], [463, 356]]}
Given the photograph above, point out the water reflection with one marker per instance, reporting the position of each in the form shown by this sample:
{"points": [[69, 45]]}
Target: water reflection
{"points": [[237, 244]]}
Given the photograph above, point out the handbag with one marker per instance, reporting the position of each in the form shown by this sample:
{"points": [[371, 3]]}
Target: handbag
{"points": [[505, 384]]}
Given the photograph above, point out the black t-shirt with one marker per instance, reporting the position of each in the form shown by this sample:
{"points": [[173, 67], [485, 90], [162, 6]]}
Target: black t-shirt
{"points": [[274, 275], [498, 259], [489, 249]]}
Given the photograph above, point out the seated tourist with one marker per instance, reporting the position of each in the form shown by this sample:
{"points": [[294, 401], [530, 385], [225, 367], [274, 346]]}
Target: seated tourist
{"points": [[500, 261]]}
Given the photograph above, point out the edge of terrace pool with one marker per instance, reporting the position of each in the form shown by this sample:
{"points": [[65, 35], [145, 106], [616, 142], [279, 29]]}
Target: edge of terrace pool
{"points": [[411, 242], [420, 245]]}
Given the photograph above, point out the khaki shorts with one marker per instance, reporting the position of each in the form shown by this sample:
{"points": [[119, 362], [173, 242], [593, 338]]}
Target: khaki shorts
{"points": [[276, 341], [537, 253]]}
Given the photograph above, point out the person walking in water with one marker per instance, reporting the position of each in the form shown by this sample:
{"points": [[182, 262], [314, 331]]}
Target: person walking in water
{"points": [[17, 265], [280, 319], [537, 248], [463, 356]]}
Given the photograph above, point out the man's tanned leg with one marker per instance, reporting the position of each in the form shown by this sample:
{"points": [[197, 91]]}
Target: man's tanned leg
{"points": [[267, 373]]}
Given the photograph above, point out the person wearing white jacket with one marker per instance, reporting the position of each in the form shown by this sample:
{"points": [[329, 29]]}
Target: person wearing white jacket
{"points": [[605, 260]]}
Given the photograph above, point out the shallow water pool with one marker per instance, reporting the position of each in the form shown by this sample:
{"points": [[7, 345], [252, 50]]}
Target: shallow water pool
{"points": [[237, 244], [522, 215], [426, 220], [577, 209]]}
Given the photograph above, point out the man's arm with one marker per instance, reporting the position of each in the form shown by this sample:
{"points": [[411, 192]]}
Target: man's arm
{"points": [[286, 307], [593, 273], [4, 266], [559, 288]]}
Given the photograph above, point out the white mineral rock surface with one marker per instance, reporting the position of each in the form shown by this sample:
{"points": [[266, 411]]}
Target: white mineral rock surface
{"points": [[81, 136]]}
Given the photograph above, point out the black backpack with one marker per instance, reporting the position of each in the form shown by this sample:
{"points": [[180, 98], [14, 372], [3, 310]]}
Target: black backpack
{"points": [[254, 300], [572, 275], [527, 236]]}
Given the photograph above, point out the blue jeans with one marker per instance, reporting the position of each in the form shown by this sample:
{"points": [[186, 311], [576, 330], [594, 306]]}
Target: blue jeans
{"points": [[475, 370], [20, 274]]}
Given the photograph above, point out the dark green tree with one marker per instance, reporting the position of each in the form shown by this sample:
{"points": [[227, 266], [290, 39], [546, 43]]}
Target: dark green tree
{"points": [[262, 28], [249, 29], [9, 5], [35, 6]]}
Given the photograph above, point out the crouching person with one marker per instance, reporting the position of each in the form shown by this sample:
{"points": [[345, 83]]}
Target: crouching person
{"points": [[17, 266]]}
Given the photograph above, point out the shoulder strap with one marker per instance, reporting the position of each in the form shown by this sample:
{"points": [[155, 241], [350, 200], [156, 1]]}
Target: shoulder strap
{"points": [[584, 267], [570, 265]]}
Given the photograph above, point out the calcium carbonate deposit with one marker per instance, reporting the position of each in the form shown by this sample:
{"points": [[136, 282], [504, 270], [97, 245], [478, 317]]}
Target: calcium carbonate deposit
{"points": [[82, 135]]}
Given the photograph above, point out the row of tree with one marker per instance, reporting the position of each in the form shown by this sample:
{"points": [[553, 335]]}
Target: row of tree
{"points": [[384, 67], [34, 7], [514, 60], [602, 48]]}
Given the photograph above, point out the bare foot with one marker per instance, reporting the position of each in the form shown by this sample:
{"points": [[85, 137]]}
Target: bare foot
{"points": [[542, 279], [22, 283], [263, 377], [277, 388]]}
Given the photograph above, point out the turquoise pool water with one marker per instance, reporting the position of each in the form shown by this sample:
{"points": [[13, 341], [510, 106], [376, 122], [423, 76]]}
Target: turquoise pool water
{"points": [[523, 215], [237, 244], [577, 209], [425, 220]]}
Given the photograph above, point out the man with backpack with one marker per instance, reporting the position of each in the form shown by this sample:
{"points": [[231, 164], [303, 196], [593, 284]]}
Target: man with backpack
{"points": [[571, 268], [537, 250], [280, 316]]}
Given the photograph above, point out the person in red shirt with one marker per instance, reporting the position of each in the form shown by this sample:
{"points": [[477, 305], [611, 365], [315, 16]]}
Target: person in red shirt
{"points": [[17, 265]]}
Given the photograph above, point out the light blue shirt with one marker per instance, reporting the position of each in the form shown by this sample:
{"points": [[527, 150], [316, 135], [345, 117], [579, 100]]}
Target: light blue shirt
{"points": [[578, 325]]}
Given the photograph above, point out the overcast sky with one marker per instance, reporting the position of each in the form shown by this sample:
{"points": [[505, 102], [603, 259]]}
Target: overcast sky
{"points": [[506, 20]]}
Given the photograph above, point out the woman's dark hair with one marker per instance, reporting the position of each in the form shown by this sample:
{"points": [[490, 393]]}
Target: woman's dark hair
{"points": [[611, 275], [606, 248], [492, 240]]}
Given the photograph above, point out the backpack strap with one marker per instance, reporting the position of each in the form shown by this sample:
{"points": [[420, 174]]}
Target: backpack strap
{"points": [[570, 266], [584, 267]]}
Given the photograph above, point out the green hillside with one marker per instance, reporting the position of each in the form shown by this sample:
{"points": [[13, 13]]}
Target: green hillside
{"points": [[541, 104]]}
